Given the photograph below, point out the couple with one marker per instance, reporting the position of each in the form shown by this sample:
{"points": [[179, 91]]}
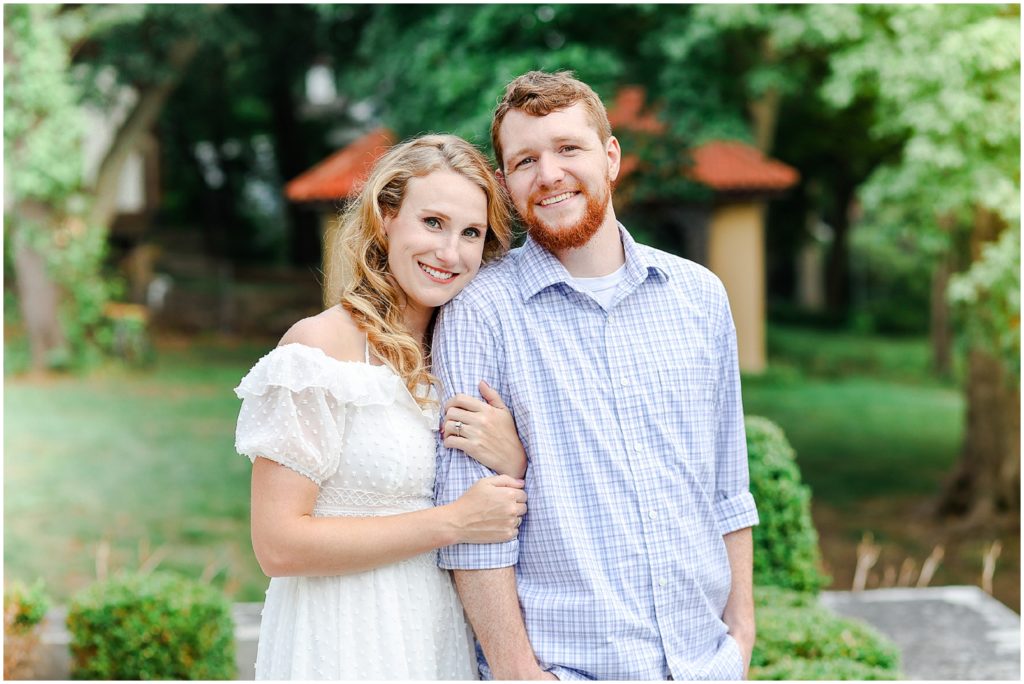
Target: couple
{"points": [[618, 363]]}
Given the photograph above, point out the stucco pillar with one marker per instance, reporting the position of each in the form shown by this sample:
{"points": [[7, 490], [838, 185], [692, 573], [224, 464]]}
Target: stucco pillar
{"points": [[736, 255]]}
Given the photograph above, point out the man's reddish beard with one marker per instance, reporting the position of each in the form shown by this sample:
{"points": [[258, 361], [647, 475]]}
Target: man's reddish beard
{"points": [[568, 237]]}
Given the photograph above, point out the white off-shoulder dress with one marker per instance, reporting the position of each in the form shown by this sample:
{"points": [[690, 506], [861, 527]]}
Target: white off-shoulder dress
{"points": [[353, 429]]}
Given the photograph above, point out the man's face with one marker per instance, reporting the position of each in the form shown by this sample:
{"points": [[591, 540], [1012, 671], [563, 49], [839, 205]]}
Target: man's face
{"points": [[559, 175]]}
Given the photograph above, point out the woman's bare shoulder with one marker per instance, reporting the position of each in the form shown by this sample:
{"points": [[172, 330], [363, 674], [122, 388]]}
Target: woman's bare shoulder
{"points": [[333, 331]]}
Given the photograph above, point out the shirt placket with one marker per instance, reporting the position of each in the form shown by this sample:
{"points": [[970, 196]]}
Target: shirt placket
{"points": [[622, 333]]}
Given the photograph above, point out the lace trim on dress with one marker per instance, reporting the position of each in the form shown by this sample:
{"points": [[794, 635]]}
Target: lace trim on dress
{"points": [[361, 499], [297, 367]]}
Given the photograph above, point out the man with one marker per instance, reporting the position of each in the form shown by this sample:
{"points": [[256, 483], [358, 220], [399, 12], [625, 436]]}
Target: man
{"points": [[619, 364]]}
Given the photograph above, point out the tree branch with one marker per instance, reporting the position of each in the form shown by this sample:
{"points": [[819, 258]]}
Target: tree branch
{"points": [[150, 103]]}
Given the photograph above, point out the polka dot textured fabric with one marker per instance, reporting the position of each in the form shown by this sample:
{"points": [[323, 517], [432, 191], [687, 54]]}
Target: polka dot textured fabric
{"points": [[354, 430]]}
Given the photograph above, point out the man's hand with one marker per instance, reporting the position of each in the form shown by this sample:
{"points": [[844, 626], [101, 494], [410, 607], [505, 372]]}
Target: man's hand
{"points": [[745, 640]]}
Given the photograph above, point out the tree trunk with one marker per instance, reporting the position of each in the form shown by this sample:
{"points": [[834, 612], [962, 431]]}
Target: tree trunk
{"points": [[39, 294], [764, 111], [139, 122], [837, 269], [940, 327], [986, 481]]}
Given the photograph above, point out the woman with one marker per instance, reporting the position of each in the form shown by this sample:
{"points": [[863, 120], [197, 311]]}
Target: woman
{"points": [[340, 422]]}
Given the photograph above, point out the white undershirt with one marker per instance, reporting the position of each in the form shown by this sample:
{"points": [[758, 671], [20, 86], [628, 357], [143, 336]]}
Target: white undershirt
{"points": [[602, 288]]}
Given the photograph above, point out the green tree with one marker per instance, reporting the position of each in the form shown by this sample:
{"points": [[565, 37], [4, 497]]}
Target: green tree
{"points": [[443, 67], [42, 153], [59, 223], [947, 78], [753, 72]]}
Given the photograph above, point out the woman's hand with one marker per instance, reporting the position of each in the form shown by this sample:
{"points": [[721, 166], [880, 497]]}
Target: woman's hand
{"points": [[485, 431], [490, 511]]}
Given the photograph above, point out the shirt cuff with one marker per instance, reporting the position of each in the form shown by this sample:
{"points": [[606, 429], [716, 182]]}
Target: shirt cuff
{"points": [[478, 556], [736, 513]]}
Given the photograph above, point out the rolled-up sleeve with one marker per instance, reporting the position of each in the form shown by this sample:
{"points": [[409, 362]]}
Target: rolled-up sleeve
{"points": [[465, 351], [734, 505]]}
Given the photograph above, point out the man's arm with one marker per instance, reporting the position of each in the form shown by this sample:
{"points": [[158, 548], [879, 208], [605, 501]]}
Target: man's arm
{"points": [[739, 609], [734, 506], [492, 606]]}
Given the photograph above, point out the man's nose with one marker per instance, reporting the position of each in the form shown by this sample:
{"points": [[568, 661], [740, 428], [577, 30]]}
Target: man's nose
{"points": [[549, 171]]}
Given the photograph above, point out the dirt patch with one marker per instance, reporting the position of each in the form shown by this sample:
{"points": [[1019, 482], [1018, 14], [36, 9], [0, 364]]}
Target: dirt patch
{"points": [[906, 534]]}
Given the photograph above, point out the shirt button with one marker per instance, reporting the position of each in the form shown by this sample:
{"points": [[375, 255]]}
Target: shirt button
{"points": [[653, 515], [662, 581], [624, 382]]}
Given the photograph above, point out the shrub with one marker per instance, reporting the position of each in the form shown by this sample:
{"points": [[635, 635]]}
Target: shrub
{"points": [[157, 626], [785, 542], [24, 608], [798, 639]]}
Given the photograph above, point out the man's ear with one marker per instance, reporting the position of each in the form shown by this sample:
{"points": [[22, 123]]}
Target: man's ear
{"points": [[500, 175], [614, 153]]}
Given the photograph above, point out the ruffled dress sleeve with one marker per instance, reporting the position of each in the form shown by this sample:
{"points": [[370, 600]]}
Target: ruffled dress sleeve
{"points": [[294, 403], [289, 414]]}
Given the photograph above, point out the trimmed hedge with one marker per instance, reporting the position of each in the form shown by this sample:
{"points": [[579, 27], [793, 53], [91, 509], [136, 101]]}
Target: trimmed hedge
{"points": [[798, 639], [157, 626], [785, 542]]}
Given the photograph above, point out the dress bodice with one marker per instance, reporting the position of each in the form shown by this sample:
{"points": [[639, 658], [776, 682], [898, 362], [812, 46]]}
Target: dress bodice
{"points": [[353, 428]]}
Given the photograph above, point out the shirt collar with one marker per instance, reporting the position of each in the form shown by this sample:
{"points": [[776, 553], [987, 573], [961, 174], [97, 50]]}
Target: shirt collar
{"points": [[540, 269]]}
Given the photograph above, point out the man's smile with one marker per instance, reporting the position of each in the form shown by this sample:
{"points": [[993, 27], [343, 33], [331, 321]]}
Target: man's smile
{"points": [[548, 201]]}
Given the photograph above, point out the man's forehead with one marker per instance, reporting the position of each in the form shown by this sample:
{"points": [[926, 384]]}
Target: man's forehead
{"points": [[520, 128]]}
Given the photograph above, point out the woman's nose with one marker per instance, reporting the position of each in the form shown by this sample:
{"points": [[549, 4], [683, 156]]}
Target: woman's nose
{"points": [[448, 249]]}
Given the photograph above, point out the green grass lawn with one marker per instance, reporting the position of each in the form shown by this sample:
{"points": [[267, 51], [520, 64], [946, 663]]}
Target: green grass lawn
{"points": [[134, 458], [865, 414], [858, 438]]}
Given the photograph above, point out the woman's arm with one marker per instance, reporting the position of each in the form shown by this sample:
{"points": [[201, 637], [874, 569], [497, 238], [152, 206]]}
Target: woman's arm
{"points": [[485, 430], [289, 541]]}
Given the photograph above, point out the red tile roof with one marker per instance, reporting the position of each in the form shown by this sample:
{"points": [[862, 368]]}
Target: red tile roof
{"points": [[627, 112], [724, 165], [339, 176], [730, 165]]}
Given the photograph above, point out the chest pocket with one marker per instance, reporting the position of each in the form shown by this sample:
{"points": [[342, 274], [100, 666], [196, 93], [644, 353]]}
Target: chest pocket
{"points": [[684, 392], [686, 416]]}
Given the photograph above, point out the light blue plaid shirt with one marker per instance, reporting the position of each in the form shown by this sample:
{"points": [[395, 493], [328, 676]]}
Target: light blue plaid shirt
{"points": [[633, 424]]}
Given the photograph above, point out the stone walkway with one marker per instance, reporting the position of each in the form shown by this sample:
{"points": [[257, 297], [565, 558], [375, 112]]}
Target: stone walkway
{"points": [[944, 632]]}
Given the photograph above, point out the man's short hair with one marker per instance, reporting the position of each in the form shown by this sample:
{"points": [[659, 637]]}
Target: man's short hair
{"points": [[539, 93]]}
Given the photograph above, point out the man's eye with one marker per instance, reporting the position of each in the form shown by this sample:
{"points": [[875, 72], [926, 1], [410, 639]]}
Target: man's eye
{"points": [[569, 148], [523, 162]]}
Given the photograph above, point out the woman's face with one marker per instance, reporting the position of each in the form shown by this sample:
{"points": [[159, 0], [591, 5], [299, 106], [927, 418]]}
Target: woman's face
{"points": [[436, 240]]}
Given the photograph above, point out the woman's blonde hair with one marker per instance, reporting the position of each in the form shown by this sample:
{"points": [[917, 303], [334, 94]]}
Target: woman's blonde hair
{"points": [[356, 248]]}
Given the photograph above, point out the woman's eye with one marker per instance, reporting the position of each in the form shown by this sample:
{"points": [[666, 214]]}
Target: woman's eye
{"points": [[472, 232], [432, 221]]}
